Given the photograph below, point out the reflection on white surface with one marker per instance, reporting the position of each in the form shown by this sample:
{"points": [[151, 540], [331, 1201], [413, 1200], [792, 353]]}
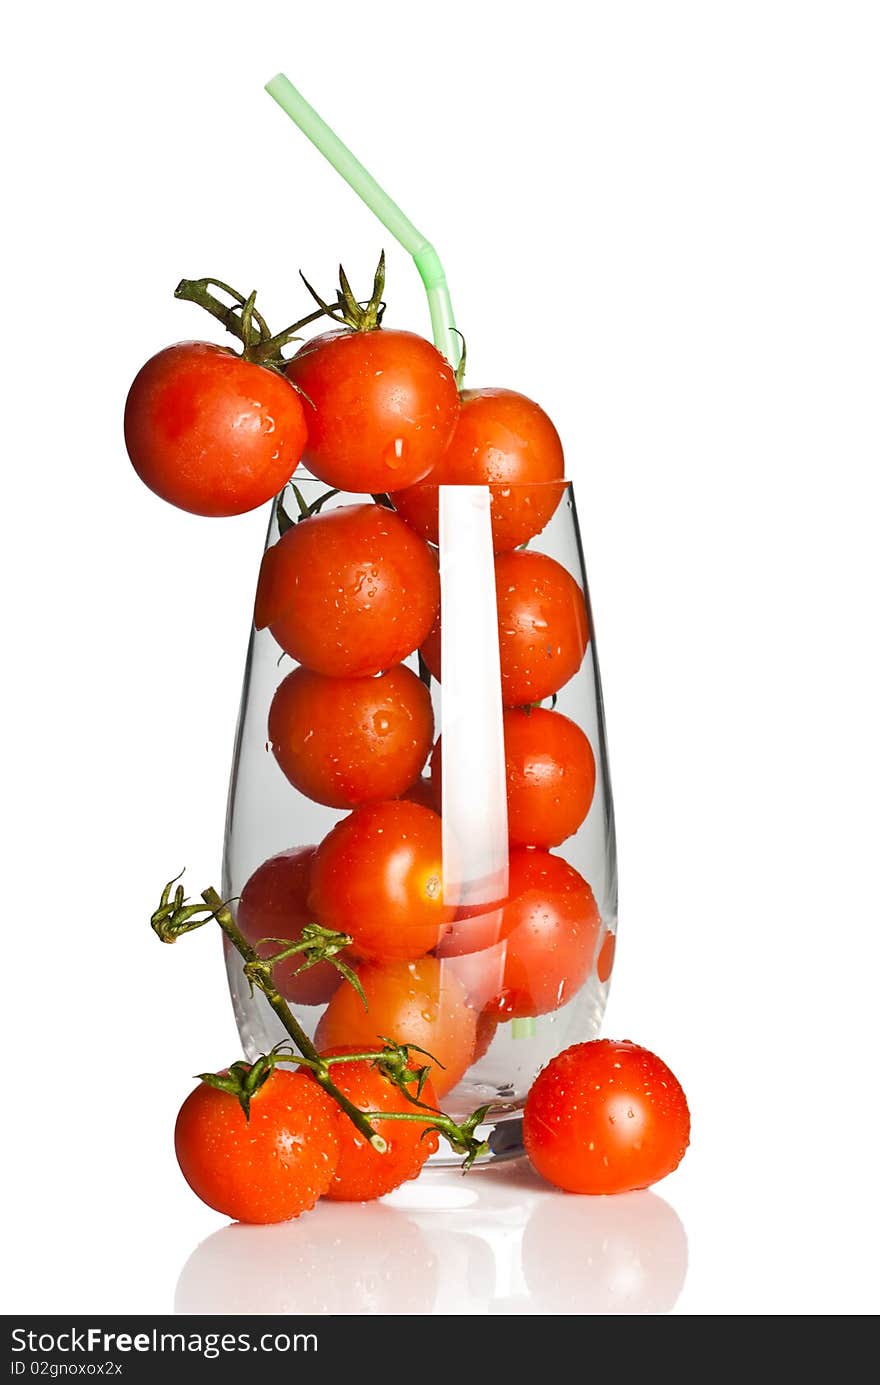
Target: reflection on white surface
{"points": [[497, 1242]]}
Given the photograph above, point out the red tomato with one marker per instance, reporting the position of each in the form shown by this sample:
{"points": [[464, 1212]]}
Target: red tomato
{"points": [[349, 592], [552, 925], [411, 1003], [606, 1117], [503, 438], [274, 904], [210, 432], [347, 741], [265, 1169], [378, 875], [475, 928], [605, 959], [362, 1174], [543, 629], [551, 776], [486, 1030], [383, 407]]}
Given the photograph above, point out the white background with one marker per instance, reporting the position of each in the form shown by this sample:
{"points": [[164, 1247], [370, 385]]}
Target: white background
{"points": [[660, 220]]}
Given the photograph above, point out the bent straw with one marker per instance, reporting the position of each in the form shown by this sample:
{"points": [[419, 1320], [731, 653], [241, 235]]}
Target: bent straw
{"points": [[427, 261], [471, 725]]}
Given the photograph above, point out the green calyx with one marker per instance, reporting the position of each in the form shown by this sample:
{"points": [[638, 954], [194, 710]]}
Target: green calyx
{"points": [[347, 311], [242, 319], [306, 511], [315, 944], [242, 1079], [176, 915]]}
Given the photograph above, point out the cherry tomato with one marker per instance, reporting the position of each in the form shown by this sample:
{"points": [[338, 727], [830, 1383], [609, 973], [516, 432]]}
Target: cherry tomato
{"points": [[486, 1030], [265, 1169], [606, 1117], [475, 928], [551, 776], [410, 1003], [503, 438], [274, 904], [552, 925], [378, 875], [383, 407], [362, 1174], [605, 959], [349, 592], [210, 432], [347, 741], [543, 629]]}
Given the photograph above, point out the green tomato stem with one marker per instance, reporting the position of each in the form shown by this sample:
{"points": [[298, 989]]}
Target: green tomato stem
{"points": [[223, 915]]}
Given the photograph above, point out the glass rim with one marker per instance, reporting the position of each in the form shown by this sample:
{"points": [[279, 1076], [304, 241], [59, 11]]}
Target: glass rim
{"points": [[304, 477]]}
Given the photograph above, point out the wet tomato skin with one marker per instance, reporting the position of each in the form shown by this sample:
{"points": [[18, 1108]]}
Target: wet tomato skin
{"points": [[274, 904], [378, 875], [350, 592], [605, 957], [550, 773], [266, 1169], [381, 407], [348, 741], [417, 1002], [504, 439], [606, 1117], [210, 432], [551, 776], [362, 1174], [551, 926], [543, 629]]}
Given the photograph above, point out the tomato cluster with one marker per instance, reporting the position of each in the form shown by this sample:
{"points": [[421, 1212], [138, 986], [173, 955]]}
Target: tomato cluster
{"points": [[351, 592], [295, 1145]]}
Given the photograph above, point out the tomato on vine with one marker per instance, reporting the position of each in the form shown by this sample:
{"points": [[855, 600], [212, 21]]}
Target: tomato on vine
{"points": [[378, 876], [212, 432], [382, 404], [265, 1166], [606, 1117], [348, 741], [349, 592], [504, 439], [362, 1174]]}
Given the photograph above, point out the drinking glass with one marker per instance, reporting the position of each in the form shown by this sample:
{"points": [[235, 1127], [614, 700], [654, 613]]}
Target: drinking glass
{"points": [[528, 848]]}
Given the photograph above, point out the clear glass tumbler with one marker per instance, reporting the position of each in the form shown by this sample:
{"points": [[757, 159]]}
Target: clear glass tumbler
{"points": [[450, 811]]}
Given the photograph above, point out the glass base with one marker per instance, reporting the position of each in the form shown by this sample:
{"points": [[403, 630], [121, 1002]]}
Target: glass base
{"points": [[504, 1135]]}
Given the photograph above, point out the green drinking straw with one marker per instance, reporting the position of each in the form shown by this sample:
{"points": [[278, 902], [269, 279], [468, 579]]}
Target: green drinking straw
{"points": [[427, 261]]}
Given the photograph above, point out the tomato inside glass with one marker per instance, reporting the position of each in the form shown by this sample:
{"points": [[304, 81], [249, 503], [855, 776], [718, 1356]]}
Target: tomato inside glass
{"points": [[378, 875], [419, 1002], [504, 439], [543, 630], [274, 905], [348, 741], [349, 592]]}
